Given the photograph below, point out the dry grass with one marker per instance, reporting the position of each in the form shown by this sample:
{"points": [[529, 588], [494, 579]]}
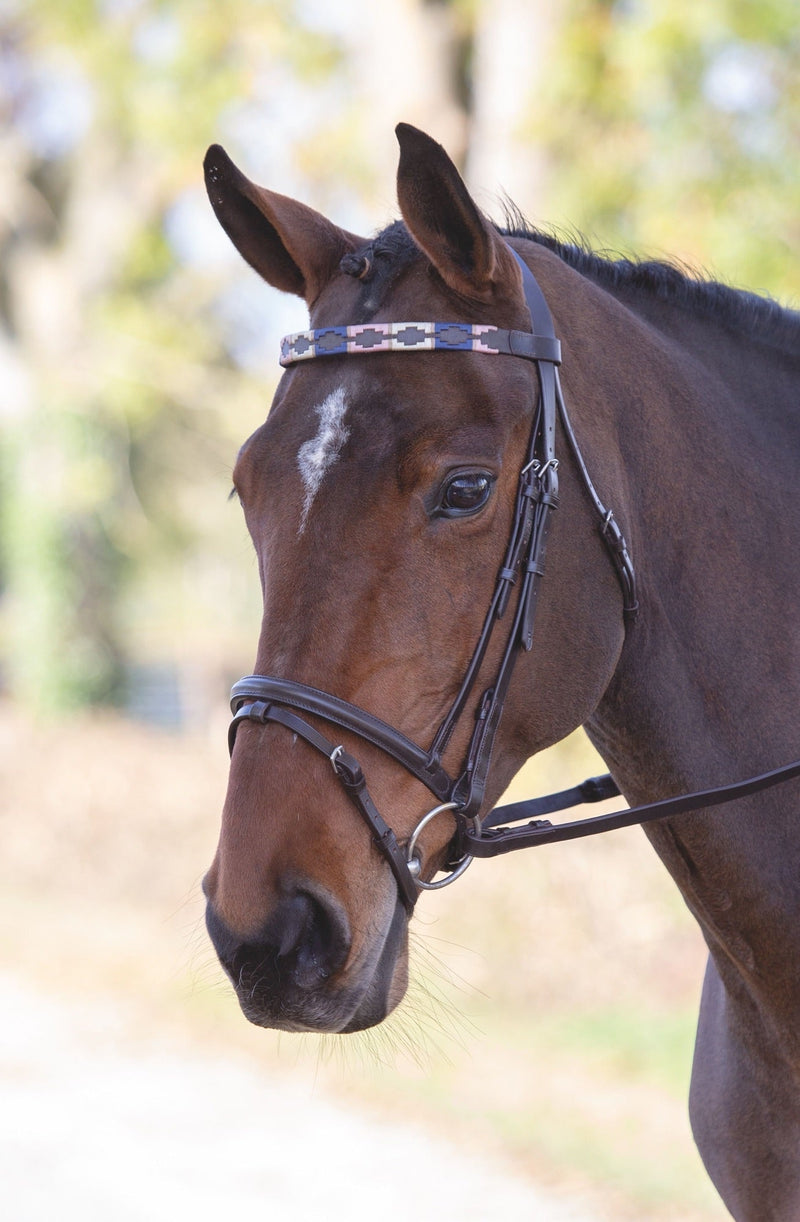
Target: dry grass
{"points": [[552, 1012]]}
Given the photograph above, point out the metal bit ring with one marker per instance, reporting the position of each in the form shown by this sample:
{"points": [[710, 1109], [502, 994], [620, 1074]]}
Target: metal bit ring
{"points": [[414, 863]]}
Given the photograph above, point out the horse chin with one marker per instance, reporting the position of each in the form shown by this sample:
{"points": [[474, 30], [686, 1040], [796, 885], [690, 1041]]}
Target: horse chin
{"points": [[342, 1009], [389, 982]]}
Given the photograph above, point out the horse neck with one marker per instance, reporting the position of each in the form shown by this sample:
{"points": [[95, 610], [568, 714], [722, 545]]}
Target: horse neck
{"points": [[708, 432]]}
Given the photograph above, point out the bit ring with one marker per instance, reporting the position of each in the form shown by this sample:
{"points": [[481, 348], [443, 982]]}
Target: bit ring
{"points": [[415, 865]]}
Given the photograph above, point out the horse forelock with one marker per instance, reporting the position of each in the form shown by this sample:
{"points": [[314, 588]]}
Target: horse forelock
{"points": [[377, 265]]}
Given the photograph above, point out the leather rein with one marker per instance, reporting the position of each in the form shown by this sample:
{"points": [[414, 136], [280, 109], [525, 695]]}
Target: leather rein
{"points": [[264, 699]]}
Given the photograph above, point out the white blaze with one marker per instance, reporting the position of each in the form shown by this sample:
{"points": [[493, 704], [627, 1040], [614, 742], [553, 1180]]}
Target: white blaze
{"points": [[315, 457]]}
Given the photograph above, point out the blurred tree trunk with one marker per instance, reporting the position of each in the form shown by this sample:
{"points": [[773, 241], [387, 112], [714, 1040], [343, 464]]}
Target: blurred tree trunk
{"points": [[404, 56], [88, 406], [512, 87], [61, 565]]}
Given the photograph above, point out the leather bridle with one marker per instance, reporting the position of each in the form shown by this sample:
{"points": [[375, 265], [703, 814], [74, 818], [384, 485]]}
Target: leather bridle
{"points": [[264, 699]]}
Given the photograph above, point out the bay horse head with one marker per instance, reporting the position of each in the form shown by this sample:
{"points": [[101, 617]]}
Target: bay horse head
{"points": [[386, 499]]}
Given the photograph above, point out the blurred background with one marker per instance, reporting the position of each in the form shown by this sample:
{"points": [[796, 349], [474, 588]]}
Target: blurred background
{"points": [[551, 1020]]}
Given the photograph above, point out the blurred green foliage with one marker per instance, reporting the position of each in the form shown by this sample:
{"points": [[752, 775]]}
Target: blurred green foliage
{"points": [[673, 129], [128, 407], [133, 346]]}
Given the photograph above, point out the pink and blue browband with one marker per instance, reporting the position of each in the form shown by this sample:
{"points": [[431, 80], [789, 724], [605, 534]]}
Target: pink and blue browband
{"points": [[417, 337]]}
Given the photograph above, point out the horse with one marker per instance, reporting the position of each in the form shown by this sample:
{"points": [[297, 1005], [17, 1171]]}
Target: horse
{"points": [[400, 504]]}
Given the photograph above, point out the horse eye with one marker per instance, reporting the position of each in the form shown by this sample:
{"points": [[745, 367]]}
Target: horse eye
{"points": [[466, 493]]}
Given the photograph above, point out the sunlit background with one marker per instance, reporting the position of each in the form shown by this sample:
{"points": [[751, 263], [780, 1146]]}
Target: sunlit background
{"points": [[551, 1021]]}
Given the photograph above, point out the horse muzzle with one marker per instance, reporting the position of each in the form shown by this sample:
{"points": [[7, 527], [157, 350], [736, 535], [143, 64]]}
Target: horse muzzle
{"points": [[296, 973]]}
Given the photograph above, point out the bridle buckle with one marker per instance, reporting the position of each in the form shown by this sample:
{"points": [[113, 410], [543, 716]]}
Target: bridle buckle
{"points": [[334, 756]]}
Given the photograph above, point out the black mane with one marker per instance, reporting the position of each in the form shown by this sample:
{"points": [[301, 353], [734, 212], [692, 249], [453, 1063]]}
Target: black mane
{"points": [[756, 316]]}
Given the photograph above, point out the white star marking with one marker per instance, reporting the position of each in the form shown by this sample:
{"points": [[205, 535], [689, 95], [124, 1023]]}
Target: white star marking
{"points": [[317, 456]]}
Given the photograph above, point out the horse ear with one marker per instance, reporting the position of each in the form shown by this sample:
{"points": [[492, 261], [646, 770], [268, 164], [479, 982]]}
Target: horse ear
{"points": [[294, 248], [445, 222]]}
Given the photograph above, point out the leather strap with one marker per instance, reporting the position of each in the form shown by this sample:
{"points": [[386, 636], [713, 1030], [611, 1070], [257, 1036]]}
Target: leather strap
{"points": [[493, 841], [267, 688], [349, 772], [367, 338], [593, 789], [537, 497], [610, 531]]}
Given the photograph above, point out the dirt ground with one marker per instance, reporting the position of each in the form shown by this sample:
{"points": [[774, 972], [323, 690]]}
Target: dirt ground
{"points": [[546, 1041], [101, 1125]]}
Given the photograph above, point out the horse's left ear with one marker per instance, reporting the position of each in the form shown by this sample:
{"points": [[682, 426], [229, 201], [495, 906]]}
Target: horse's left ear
{"points": [[445, 221], [293, 247]]}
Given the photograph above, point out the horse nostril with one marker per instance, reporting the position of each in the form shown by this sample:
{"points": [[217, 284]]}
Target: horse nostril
{"points": [[304, 942], [311, 936], [296, 919]]}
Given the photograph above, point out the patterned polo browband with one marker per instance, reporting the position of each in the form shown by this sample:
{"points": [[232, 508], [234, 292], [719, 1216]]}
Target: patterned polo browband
{"points": [[417, 337]]}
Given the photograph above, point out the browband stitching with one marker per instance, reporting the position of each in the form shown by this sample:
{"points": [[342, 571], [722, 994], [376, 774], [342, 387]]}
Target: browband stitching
{"points": [[363, 338]]}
